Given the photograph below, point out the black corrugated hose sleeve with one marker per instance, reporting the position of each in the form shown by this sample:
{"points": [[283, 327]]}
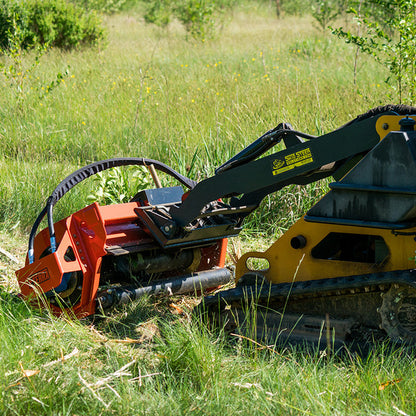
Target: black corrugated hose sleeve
{"points": [[78, 176]]}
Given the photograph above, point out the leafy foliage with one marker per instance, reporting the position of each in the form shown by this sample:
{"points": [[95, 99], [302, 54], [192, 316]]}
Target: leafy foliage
{"points": [[119, 185], [159, 12], [296, 7], [103, 6], [199, 17], [391, 41], [49, 22], [15, 71], [324, 12]]}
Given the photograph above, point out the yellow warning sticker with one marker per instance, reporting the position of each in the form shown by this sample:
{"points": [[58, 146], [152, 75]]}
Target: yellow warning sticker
{"points": [[292, 161]]}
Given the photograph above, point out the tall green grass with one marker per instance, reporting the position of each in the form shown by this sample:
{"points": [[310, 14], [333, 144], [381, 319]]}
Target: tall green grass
{"points": [[150, 93], [184, 369]]}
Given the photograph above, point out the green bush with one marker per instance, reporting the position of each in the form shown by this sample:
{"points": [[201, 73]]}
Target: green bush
{"points": [[102, 6], [390, 38], [297, 7], [324, 12], [158, 12], [48, 22], [199, 17]]}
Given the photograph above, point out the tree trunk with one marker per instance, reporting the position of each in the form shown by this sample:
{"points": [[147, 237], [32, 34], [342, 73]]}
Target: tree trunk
{"points": [[278, 8]]}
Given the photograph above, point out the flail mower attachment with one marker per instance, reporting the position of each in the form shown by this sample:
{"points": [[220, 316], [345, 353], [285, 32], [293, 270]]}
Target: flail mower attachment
{"points": [[102, 256]]}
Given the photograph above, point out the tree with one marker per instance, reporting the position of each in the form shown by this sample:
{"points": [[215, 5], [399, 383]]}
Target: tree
{"points": [[391, 41]]}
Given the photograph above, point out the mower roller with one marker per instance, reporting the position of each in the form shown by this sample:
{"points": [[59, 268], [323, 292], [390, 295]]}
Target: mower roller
{"points": [[346, 267]]}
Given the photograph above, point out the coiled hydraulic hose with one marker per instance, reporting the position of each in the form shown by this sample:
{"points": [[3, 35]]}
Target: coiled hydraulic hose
{"points": [[81, 174]]}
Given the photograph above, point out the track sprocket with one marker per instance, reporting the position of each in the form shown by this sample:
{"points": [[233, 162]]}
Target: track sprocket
{"points": [[398, 313]]}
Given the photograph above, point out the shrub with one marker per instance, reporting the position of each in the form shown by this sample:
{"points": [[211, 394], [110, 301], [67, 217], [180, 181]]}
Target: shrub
{"points": [[296, 7], [102, 6], [389, 37], [324, 12], [158, 12], [48, 22], [199, 17]]}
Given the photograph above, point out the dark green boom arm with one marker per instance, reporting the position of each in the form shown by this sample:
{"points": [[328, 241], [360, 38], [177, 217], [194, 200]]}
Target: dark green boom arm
{"points": [[300, 163]]}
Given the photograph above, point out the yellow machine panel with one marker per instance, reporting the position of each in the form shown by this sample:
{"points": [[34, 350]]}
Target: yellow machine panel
{"points": [[311, 251]]}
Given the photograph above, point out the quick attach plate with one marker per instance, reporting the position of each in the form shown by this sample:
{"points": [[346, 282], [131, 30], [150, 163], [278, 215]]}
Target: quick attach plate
{"points": [[210, 226]]}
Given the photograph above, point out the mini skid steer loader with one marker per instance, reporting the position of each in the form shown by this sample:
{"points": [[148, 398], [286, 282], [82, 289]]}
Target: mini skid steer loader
{"points": [[349, 261]]}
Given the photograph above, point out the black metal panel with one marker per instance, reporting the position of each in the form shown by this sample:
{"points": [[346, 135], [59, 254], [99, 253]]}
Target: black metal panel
{"points": [[379, 190], [159, 196], [167, 235]]}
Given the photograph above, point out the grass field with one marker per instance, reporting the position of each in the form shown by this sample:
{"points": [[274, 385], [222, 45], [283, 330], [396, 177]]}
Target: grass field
{"points": [[151, 93]]}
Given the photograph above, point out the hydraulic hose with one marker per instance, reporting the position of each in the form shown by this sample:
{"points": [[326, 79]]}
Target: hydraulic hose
{"points": [[81, 174]]}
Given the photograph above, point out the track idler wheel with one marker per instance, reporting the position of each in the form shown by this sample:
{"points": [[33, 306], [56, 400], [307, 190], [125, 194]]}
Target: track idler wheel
{"points": [[398, 314]]}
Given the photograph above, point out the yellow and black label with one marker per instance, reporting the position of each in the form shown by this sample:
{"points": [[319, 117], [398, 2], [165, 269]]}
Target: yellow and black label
{"points": [[292, 161]]}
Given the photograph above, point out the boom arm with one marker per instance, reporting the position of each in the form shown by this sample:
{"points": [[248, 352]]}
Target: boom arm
{"points": [[300, 163], [246, 179]]}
